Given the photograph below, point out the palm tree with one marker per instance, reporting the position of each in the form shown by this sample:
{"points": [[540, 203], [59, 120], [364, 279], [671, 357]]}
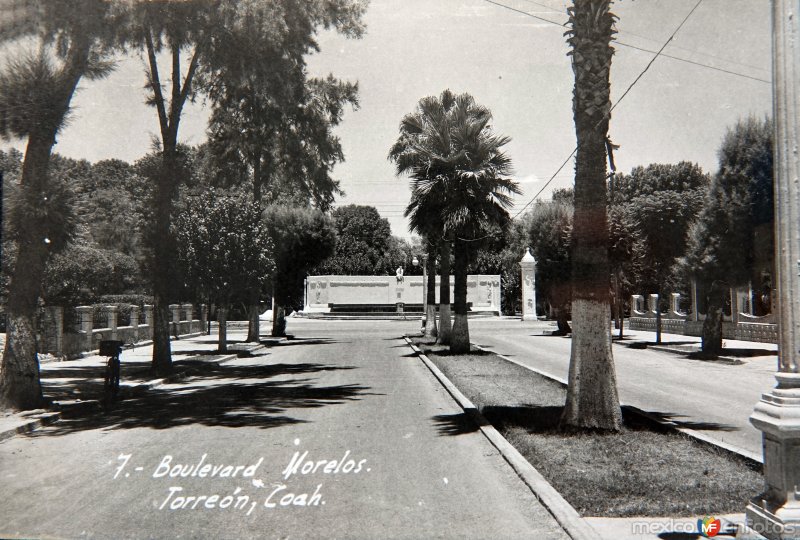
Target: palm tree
{"points": [[592, 400], [458, 174], [417, 130], [422, 214], [35, 94]]}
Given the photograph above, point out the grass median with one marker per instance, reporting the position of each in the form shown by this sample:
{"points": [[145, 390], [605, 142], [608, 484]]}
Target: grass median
{"points": [[645, 470]]}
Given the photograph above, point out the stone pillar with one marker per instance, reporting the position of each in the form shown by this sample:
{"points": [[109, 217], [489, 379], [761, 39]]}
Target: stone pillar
{"points": [[187, 309], [637, 308], [203, 317], [695, 303], [54, 329], [736, 306], [528, 266], [175, 328], [675, 304], [652, 305], [111, 319], [135, 322], [148, 319], [776, 513], [86, 325]]}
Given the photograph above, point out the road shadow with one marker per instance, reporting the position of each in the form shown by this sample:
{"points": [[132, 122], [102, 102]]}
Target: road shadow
{"points": [[232, 396], [294, 342], [200, 352], [455, 424], [738, 353], [675, 419], [547, 418], [446, 352]]}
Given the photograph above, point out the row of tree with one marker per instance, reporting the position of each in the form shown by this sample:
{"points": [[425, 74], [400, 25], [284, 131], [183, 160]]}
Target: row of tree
{"points": [[669, 225], [246, 58]]}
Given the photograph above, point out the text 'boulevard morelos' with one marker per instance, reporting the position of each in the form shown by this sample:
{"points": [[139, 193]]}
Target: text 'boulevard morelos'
{"points": [[246, 496]]}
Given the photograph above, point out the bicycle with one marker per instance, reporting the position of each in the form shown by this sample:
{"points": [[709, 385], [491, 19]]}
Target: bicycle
{"points": [[111, 349]]}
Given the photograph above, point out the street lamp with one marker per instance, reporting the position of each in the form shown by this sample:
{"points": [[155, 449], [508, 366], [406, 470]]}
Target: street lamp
{"points": [[415, 262]]}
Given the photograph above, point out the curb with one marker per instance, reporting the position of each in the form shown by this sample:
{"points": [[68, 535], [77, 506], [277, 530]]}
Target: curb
{"points": [[566, 516], [55, 416], [696, 435]]}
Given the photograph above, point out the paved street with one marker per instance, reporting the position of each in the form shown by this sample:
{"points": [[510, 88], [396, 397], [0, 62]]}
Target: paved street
{"points": [[342, 418], [712, 397]]}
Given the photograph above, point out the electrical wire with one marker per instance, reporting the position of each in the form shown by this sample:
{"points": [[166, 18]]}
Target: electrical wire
{"points": [[614, 106], [643, 49]]}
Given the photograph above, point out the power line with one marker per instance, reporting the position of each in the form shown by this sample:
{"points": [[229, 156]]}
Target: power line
{"points": [[614, 106], [525, 13], [650, 63], [649, 38], [624, 44]]}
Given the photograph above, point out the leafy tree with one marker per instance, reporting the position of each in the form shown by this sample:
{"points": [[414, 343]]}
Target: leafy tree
{"points": [[655, 205], [286, 142], [592, 400], [549, 230], [458, 169], [81, 274], [36, 89], [224, 251], [218, 40], [364, 240], [722, 241], [285, 137], [302, 237]]}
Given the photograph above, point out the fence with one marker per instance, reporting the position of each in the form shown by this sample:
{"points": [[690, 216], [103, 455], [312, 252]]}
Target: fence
{"points": [[741, 324], [55, 339]]}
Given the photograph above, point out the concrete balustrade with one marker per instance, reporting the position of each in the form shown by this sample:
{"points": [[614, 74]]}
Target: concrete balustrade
{"points": [[741, 324], [71, 342]]}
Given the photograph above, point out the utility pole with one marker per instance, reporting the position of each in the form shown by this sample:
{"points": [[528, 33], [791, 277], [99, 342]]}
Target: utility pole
{"points": [[776, 513]]}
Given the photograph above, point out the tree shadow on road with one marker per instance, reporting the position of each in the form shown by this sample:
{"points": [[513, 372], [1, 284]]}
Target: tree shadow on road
{"points": [[246, 395], [304, 341], [675, 420], [455, 424], [546, 419]]}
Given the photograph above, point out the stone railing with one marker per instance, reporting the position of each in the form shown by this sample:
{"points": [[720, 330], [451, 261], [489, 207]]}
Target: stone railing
{"points": [[53, 338], [741, 324]]}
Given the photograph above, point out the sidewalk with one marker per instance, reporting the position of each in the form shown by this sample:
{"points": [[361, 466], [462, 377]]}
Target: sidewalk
{"points": [[78, 383]]}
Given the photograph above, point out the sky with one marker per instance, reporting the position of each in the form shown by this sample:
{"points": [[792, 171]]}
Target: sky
{"points": [[512, 61]]}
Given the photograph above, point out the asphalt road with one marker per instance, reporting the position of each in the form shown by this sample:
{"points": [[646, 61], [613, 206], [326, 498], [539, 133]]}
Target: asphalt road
{"points": [[337, 434], [711, 397]]}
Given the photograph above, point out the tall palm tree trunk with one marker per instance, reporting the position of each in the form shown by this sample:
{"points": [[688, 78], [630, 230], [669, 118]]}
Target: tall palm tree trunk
{"points": [[430, 293], [445, 322], [592, 400], [459, 339]]}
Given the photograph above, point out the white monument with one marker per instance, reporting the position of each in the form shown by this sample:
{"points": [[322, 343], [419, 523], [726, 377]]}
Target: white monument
{"points": [[528, 264]]}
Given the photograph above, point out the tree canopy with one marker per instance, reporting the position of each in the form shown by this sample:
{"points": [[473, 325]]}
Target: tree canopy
{"points": [[364, 240]]}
